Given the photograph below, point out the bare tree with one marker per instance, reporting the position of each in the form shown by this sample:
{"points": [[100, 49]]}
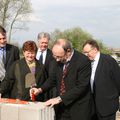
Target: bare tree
{"points": [[12, 13]]}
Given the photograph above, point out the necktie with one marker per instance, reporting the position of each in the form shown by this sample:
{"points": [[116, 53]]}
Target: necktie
{"points": [[2, 71], [3, 54], [41, 57], [62, 83], [2, 68]]}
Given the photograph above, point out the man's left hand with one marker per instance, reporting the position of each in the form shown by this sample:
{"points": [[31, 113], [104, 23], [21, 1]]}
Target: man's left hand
{"points": [[53, 101]]}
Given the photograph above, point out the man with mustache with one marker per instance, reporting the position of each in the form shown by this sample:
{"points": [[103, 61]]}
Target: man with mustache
{"points": [[70, 73]]}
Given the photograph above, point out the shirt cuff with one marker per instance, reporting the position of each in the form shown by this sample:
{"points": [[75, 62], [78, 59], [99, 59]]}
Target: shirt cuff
{"points": [[59, 98]]}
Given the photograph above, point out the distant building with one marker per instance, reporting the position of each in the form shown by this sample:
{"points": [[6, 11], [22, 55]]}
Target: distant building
{"points": [[116, 55]]}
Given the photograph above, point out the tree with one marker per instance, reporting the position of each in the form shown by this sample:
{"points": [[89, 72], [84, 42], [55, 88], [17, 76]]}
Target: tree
{"points": [[12, 12], [103, 48], [77, 36]]}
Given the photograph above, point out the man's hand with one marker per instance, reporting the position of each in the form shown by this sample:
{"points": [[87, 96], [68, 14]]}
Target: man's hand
{"points": [[35, 91], [53, 102]]}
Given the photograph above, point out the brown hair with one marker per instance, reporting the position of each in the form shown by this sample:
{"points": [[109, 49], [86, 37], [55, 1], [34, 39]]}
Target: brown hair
{"points": [[29, 46], [2, 31], [92, 42]]}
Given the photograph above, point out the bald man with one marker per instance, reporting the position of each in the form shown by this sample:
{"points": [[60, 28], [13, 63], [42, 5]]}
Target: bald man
{"points": [[70, 73]]}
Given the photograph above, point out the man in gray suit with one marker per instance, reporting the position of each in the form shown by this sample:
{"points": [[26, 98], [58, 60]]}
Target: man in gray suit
{"points": [[8, 54]]}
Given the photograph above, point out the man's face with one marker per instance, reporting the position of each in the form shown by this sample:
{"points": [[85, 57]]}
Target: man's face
{"points": [[29, 56], [59, 54], [43, 44], [3, 40], [90, 51]]}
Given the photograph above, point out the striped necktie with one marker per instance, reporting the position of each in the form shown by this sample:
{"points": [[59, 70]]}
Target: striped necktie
{"points": [[62, 83], [3, 54], [2, 68]]}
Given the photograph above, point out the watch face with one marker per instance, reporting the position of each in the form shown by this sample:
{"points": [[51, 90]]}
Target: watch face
{"points": [[59, 98]]}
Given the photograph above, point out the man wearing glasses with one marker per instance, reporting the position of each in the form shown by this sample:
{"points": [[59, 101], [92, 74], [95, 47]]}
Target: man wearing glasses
{"points": [[8, 54], [70, 73], [105, 82]]}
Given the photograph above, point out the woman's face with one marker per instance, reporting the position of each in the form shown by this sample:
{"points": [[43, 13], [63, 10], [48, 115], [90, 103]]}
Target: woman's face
{"points": [[29, 56]]}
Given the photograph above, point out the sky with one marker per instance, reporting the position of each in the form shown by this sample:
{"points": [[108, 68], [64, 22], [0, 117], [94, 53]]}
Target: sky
{"points": [[100, 18]]}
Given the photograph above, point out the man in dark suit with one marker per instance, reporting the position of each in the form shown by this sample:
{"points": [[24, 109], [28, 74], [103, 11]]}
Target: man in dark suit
{"points": [[8, 54], [70, 73], [44, 54], [105, 82]]}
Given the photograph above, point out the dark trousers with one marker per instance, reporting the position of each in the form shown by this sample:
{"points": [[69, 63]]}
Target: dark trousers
{"points": [[96, 116], [62, 112], [99, 117]]}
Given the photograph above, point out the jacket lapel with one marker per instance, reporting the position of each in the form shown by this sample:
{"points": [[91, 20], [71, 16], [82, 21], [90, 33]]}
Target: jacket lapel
{"points": [[38, 72], [60, 71], [47, 56], [24, 66], [7, 53], [72, 61]]}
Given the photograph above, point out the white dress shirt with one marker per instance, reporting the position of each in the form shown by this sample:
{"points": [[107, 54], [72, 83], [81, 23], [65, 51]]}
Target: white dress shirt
{"points": [[94, 67], [68, 60], [39, 54]]}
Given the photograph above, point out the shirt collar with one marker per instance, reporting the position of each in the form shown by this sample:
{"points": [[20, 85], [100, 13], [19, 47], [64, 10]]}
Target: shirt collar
{"points": [[97, 56], [3, 48], [30, 63], [70, 56]]}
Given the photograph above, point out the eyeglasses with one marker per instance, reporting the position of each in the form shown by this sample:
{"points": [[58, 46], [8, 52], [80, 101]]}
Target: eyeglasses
{"points": [[87, 52]]}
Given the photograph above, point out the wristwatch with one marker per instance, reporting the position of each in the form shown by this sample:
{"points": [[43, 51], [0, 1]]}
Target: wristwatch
{"points": [[59, 99]]}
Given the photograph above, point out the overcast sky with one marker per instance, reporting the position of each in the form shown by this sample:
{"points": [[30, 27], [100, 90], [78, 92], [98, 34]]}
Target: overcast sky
{"points": [[100, 18]]}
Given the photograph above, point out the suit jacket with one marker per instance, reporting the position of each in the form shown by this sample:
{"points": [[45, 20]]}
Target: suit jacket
{"points": [[48, 59], [107, 85], [15, 80], [12, 54], [77, 85]]}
